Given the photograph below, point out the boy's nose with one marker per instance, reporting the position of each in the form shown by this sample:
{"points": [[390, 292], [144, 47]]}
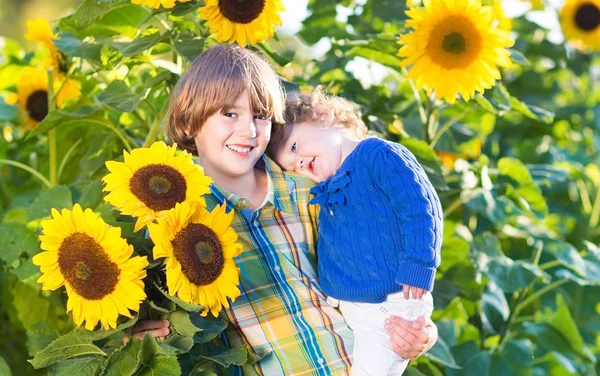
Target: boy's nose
{"points": [[249, 129]]}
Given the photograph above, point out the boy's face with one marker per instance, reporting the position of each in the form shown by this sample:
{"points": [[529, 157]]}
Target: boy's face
{"points": [[232, 140], [311, 150]]}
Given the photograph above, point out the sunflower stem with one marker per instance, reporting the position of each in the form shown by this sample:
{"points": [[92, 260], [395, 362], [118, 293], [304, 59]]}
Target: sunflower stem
{"points": [[155, 128], [52, 133], [447, 125], [66, 158], [31, 170], [417, 95]]}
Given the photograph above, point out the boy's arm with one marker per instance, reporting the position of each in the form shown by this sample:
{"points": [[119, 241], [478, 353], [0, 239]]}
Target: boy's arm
{"points": [[415, 202]]}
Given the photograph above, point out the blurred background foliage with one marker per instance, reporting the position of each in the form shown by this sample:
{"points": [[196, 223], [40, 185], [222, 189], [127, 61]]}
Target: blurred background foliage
{"points": [[518, 290]]}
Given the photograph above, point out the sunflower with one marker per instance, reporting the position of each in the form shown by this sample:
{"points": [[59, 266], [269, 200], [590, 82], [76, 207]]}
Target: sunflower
{"points": [[152, 180], [500, 19], [580, 22], [157, 3], [237, 21], [39, 30], [95, 265], [199, 247], [455, 48], [32, 94]]}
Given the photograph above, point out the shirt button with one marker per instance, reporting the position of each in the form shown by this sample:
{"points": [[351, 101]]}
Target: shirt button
{"points": [[277, 269], [256, 223], [321, 361], [299, 314]]}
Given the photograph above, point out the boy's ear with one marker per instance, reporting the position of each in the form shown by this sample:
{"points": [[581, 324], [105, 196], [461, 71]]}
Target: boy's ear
{"points": [[324, 115]]}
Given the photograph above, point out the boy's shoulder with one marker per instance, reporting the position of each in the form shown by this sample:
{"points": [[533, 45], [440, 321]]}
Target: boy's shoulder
{"points": [[298, 180]]}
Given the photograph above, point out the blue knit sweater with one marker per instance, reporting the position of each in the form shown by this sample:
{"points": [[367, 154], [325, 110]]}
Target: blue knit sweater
{"points": [[380, 224]]}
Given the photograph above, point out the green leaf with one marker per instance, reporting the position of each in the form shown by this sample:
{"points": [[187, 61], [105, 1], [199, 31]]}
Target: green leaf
{"points": [[57, 198], [370, 53], [566, 254], [91, 196], [16, 240], [4, 368], [440, 353], [70, 45], [562, 321], [280, 59], [485, 104], [180, 321], [532, 112], [179, 302], [90, 11], [473, 361], [125, 361], [161, 365], [209, 327], [86, 366], [222, 355], [518, 57], [526, 186], [428, 160], [497, 209], [122, 20], [68, 346], [175, 345], [181, 9], [188, 45], [149, 349], [84, 117], [507, 274], [139, 45], [494, 308], [7, 111], [119, 97], [515, 169]]}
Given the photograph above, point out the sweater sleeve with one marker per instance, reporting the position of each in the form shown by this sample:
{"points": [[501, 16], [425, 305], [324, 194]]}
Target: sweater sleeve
{"points": [[416, 205]]}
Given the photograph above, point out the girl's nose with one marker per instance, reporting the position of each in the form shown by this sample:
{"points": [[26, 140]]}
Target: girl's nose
{"points": [[300, 163]]}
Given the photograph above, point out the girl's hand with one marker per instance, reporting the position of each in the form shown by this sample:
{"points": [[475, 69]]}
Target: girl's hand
{"points": [[411, 339], [417, 293], [157, 328]]}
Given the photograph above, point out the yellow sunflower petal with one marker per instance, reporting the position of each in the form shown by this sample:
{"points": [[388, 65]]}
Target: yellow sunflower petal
{"points": [[580, 22]]}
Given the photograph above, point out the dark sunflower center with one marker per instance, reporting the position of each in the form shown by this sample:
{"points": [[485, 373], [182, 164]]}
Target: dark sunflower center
{"points": [[158, 186], [37, 105], [241, 11], [454, 43], [87, 267], [199, 251], [587, 17]]}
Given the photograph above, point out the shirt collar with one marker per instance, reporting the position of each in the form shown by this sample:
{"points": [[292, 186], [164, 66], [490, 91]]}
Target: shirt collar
{"points": [[278, 193]]}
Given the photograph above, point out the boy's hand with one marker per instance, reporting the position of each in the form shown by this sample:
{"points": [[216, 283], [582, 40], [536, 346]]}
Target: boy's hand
{"points": [[417, 293], [157, 328]]}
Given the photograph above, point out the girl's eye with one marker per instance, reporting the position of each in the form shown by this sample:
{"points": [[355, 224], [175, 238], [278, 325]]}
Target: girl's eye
{"points": [[294, 147], [260, 117]]}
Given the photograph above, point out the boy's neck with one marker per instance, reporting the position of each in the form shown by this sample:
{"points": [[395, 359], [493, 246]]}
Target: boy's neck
{"points": [[252, 186]]}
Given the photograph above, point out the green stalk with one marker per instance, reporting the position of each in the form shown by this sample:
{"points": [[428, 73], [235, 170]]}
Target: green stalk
{"points": [[595, 215], [66, 158], [155, 128], [52, 132], [28, 169], [541, 292]]}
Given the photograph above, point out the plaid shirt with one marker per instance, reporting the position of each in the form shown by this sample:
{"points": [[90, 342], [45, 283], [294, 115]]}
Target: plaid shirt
{"points": [[281, 309]]}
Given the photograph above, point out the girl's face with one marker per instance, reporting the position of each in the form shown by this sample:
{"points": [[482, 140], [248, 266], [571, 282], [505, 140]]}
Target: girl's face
{"points": [[311, 150], [231, 141]]}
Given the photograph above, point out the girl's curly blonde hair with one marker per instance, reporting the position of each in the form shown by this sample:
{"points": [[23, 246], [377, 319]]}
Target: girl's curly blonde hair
{"points": [[317, 107]]}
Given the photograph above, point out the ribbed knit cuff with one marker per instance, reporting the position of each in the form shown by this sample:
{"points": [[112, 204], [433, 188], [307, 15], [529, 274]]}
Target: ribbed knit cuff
{"points": [[415, 275]]}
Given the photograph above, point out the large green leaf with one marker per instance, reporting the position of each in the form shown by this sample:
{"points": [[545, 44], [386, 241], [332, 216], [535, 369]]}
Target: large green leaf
{"points": [[85, 116], [139, 45], [222, 355], [188, 45], [440, 353], [119, 97], [497, 209], [4, 368], [176, 345], [125, 360], [180, 321], [122, 20], [161, 365], [90, 11], [494, 308], [526, 189], [86, 366], [507, 274], [68, 346], [57, 198], [16, 240], [209, 327], [7, 111], [70, 45]]}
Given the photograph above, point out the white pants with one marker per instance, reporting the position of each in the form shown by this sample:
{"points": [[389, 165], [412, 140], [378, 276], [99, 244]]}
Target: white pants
{"points": [[372, 353]]}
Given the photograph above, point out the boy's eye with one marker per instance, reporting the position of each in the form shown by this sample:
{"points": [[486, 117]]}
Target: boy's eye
{"points": [[294, 147], [230, 114]]}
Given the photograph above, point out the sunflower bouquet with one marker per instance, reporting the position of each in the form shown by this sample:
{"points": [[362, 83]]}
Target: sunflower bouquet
{"points": [[176, 263]]}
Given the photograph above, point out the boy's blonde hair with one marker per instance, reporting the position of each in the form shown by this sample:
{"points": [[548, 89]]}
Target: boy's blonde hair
{"points": [[213, 83], [309, 106]]}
